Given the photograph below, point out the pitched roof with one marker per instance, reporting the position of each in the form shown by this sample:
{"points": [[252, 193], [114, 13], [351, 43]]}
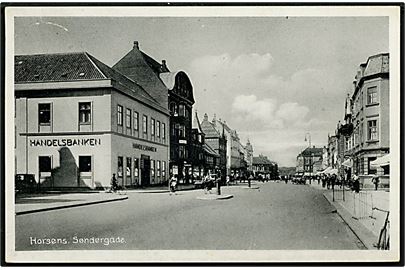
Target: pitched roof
{"points": [[262, 160], [209, 130], [196, 123], [65, 67], [55, 67], [312, 150], [143, 70], [209, 150]]}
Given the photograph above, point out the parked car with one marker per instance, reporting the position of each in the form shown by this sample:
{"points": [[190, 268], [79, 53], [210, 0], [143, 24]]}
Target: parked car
{"points": [[25, 183]]}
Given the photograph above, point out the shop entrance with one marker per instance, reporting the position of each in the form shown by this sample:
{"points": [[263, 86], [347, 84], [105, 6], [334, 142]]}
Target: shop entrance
{"points": [[145, 170]]}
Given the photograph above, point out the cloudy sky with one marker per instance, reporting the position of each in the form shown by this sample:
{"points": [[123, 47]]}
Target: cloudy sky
{"points": [[273, 79]]}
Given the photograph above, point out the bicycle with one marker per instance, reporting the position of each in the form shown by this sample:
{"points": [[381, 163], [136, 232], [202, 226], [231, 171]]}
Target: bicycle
{"points": [[384, 237]]}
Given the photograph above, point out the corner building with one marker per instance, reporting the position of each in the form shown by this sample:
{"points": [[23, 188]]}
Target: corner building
{"points": [[78, 121]]}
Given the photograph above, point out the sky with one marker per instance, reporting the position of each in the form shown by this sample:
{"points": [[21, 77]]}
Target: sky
{"points": [[273, 79]]}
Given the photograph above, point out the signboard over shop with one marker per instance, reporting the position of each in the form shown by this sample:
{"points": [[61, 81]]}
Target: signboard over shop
{"points": [[144, 147], [65, 142]]}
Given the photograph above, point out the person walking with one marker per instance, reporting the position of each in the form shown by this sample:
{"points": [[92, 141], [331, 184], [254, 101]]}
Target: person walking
{"points": [[207, 184], [376, 181], [356, 184], [173, 184], [114, 183]]}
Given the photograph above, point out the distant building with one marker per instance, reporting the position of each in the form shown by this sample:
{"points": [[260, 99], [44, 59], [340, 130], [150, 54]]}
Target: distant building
{"points": [[264, 167], [309, 161], [216, 140]]}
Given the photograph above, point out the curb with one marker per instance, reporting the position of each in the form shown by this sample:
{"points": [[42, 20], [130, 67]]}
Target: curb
{"points": [[251, 187], [358, 229], [217, 197], [68, 206]]}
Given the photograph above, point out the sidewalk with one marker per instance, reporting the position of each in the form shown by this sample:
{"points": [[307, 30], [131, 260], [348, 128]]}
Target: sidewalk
{"points": [[32, 203], [357, 211], [160, 189]]}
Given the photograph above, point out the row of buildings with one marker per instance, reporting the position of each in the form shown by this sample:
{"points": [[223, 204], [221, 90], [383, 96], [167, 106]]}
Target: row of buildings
{"points": [[362, 138], [79, 121]]}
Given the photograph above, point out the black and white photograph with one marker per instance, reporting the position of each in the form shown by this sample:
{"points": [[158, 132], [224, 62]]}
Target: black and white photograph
{"points": [[202, 134]]}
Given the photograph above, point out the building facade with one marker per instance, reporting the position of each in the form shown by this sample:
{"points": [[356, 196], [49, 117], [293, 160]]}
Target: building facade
{"points": [[309, 161], [78, 121], [264, 168], [172, 90], [369, 115]]}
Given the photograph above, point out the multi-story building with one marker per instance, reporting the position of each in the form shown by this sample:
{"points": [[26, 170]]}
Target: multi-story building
{"points": [[370, 117], [264, 168], [79, 121], [309, 160], [171, 89], [216, 140], [249, 156]]}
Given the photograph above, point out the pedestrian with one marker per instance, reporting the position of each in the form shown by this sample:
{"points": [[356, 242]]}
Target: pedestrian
{"points": [[356, 184], [207, 184], [173, 184], [114, 183], [376, 181]]}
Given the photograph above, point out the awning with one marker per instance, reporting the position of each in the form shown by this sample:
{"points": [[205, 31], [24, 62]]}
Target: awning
{"points": [[347, 163], [327, 170], [381, 161]]}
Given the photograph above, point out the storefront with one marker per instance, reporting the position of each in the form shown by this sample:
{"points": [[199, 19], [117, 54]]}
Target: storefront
{"points": [[78, 132]]}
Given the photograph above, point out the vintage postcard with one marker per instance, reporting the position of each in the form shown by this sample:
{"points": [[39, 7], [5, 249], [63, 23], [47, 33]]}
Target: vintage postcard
{"points": [[202, 133]]}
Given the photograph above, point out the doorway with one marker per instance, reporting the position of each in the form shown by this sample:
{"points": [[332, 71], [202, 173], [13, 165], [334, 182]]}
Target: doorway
{"points": [[145, 170]]}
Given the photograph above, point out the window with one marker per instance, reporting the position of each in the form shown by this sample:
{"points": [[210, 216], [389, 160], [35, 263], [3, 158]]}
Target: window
{"points": [[163, 131], [152, 168], [129, 167], [158, 168], [119, 115], [84, 112], [136, 120], [120, 161], [44, 114], [181, 110], [136, 167], [182, 151], [128, 120], [372, 130], [372, 95], [182, 131], [386, 170], [158, 129], [84, 163], [152, 127], [371, 170], [145, 124], [45, 164], [163, 169], [174, 109]]}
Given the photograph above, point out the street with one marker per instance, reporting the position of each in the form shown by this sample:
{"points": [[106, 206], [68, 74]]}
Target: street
{"points": [[276, 216]]}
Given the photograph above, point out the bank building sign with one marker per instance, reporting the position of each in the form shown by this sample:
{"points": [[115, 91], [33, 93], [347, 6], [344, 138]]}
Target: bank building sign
{"points": [[65, 142]]}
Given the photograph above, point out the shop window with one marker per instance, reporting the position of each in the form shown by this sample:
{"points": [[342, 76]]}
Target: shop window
{"points": [[372, 130], [145, 124], [152, 127], [85, 164], [158, 168], [84, 113], [45, 163], [163, 169], [120, 161], [371, 170], [119, 115], [152, 168], [128, 119], [44, 114], [158, 129], [136, 120], [136, 167], [129, 167], [372, 95]]}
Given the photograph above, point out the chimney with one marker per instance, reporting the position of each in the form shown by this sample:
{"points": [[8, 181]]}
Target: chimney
{"points": [[214, 120], [164, 64], [205, 117], [136, 45]]}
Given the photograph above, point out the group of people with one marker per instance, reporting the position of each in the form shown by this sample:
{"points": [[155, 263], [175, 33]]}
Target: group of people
{"points": [[330, 180]]}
